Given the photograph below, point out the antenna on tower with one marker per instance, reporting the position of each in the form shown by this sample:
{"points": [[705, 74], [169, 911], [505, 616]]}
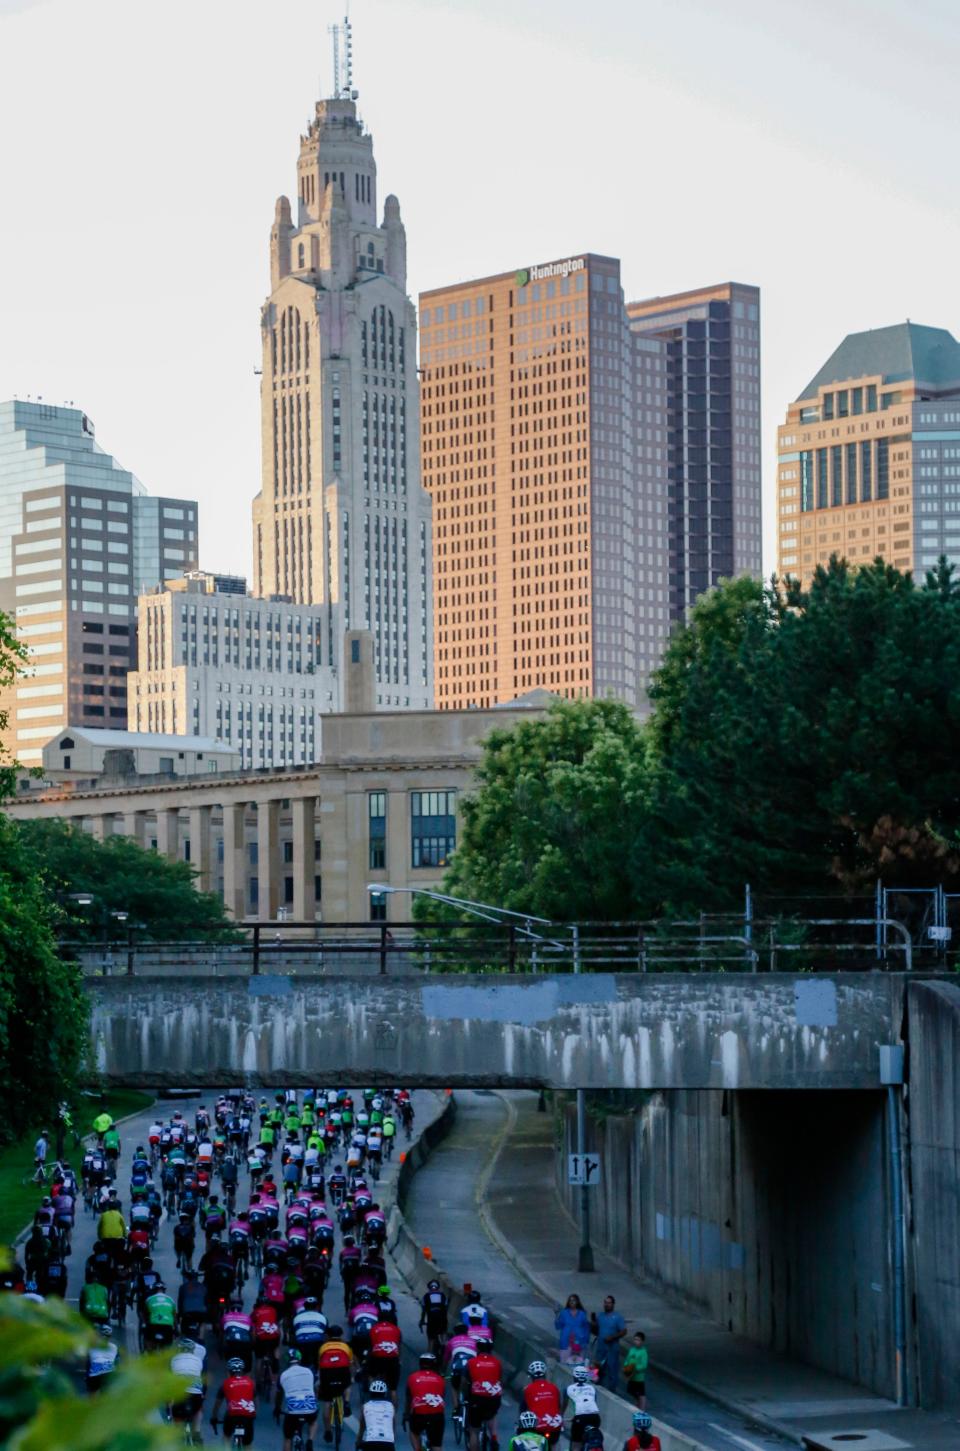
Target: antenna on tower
{"points": [[343, 60]]}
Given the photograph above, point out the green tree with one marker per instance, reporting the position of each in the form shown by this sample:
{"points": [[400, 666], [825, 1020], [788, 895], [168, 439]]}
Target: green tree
{"points": [[43, 1011], [806, 740], [13, 659], [159, 895], [551, 827], [40, 1408]]}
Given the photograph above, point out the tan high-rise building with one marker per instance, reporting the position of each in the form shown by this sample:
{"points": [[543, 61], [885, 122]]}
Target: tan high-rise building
{"points": [[544, 444], [342, 519], [869, 457]]}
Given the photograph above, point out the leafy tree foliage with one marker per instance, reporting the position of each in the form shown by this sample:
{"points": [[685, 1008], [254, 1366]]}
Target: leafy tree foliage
{"points": [[43, 1011], [158, 894], [40, 1407], [548, 828], [804, 741], [13, 658]]}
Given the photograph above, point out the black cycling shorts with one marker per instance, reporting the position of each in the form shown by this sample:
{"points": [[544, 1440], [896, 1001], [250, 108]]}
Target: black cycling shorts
{"points": [[239, 1423], [186, 1410], [332, 1383], [385, 1368], [481, 1409], [292, 1423], [430, 1427], [579, 1424]]}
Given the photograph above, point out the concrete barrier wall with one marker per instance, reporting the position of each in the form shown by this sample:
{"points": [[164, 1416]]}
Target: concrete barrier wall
{"points": [[516, 1343], [933, 1113], [766, 1212], [595, 1030]]}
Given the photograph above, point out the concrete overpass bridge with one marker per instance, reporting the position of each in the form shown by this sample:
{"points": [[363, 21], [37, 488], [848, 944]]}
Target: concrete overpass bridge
{"points": [[623, 1030]]}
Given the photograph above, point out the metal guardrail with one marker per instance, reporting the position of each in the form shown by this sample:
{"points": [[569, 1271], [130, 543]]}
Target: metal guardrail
{"points": [[696, 945]]}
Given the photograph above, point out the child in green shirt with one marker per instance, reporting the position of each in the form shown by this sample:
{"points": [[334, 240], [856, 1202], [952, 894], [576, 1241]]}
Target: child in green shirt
{"points": [[635, 1364]]}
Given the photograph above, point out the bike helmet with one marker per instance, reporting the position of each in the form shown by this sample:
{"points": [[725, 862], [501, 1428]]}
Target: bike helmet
{"points": [[236, 1303], [235, 1365], [379, 1388], [105, 1329], [294, 1357], [160, 1288], [484, 1342], [581, 1373], [537, 1369], [46, 1202], [528, 1421], [427, 1360], [185, 1343], [642, 1420], [383, 1291], [310, 1303], [433, 1284], [335, 1331]]}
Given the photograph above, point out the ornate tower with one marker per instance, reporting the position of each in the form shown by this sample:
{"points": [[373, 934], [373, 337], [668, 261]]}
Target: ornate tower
{"points": [[342, 518]]}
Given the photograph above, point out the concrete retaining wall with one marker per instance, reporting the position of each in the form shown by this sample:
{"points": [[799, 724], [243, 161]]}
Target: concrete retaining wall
{"points": [[595, 1030], [933, 1111], [765, 1212], [515, 1342]]}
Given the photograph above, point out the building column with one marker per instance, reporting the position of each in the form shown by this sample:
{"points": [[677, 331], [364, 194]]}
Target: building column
{"points": [[135, 826], [168, 832], [399, 851], [234, 861], [334, 856], [199, 820], [304, 859], [101, 827], [268, 854]]}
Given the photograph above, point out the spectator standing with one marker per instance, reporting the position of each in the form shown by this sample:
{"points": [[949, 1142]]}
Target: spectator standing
{"points": [[573, 1329], [635, 1364], [609, 1327]]}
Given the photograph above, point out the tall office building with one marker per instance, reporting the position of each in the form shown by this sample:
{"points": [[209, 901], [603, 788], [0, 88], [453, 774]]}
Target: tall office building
{"points": [[544, 443], [869, 456], [712, 336], [342, 519], [79, 540]]}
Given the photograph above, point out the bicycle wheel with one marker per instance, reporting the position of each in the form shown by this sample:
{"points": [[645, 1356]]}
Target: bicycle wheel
{"points": [[337, 1421], [457, 1419]]}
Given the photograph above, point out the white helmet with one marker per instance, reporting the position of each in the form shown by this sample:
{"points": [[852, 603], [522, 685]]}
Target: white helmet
{"points": [[581, 1372]]}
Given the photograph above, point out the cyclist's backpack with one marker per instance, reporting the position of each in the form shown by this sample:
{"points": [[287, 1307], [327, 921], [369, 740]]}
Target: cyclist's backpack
{"points": [[94, 1301], [214, 1222], [55, 1278]]}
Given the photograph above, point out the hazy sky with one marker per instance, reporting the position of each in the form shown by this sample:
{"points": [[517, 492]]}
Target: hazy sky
{"points": [[810, 148]]}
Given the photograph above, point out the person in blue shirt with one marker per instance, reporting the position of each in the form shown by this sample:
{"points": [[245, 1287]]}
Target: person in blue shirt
{"points": [[609, 1327], [573, 1328]]}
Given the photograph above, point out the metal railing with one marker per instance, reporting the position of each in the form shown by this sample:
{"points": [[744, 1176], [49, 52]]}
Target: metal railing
{"points": [[704, 944]]}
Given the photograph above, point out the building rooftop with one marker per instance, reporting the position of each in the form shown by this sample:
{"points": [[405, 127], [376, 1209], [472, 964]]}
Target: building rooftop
{"points": [[928, 355], [142, 740]]}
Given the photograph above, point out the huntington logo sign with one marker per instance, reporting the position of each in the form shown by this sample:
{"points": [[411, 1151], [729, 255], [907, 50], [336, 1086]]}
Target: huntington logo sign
{"points": [[552, 269]]}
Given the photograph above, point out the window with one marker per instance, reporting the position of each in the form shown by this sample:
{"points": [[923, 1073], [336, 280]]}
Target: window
{"points": [[433, 827], [378, 906], [883, 468], [377, 807], [166, 764], [866, 479], [821, 478], [806, 481]]}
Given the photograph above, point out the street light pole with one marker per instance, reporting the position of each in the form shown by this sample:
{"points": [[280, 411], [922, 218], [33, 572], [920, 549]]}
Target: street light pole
{"points": [[585, 1255]]}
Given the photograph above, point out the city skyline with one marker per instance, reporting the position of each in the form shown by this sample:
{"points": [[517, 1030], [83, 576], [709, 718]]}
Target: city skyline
{"points": [[133, 366]]}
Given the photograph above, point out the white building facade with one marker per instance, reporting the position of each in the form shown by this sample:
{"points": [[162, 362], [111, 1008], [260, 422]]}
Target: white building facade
{"points": [[342, 519]]}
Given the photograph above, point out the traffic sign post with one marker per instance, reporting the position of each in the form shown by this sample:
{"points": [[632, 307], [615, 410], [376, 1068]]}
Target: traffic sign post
{"points": [[583, 1168]]}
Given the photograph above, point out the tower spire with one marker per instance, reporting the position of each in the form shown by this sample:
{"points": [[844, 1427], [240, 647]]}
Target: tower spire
{"points": [[342, 36]]}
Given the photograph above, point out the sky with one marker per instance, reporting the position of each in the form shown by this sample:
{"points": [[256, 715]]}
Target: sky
{"points": [[810, 149]]}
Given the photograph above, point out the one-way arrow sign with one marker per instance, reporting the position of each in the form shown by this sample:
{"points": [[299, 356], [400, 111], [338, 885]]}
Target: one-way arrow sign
{"points": [[583, 1168]]}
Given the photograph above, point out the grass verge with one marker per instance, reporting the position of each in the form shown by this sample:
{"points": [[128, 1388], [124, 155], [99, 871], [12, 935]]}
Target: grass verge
{"points": [[18, 1201]]}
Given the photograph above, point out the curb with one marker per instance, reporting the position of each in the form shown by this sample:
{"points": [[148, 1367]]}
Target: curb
{"points": [[524, 1270]]}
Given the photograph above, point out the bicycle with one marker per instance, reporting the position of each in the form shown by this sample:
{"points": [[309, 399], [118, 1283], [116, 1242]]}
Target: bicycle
{"points": [[336, 1421], [459, 1420], [38, 1176]]}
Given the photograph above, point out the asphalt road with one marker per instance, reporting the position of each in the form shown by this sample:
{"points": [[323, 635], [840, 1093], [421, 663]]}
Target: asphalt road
{"points": [[267, 1435]]}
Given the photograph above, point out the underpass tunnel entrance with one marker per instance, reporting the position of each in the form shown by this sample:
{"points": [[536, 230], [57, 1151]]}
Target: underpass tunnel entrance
{"points": [[768, 1212]]}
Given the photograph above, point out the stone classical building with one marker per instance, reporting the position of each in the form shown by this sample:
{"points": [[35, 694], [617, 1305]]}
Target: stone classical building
{"points": [[380, 808], [341, 519]]}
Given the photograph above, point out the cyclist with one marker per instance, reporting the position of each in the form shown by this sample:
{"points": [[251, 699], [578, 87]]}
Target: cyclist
{"points": [[386, 1304], [188, 1362], [484, 1388], [95, 1302], [297, 1399], [460, 1348], [213, 1219], [334, 1372], [112, 1229], [383, 1362], [192, 1304], [542, 1397], [433, 1314], [266, 1336], [239, 1397], [474, 1313], [527, 1437], [309, 1330], [102, 1359], [424, 1405], [377, 1419], [236, 1333], [111, 1146], [582, 1396], [184, 1241], [643, 1438], [389, 1134], [159, 1318]]}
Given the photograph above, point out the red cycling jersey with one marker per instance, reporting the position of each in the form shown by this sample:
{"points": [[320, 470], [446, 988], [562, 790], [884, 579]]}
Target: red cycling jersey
{"points": [[543, 1398], [634, 1444], [266, 1325], [239, 1393], [425, 1392], [484, 1373], [385, 1340]]}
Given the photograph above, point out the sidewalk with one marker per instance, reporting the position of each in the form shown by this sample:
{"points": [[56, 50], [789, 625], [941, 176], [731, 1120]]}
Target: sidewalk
{"points": [[523, 1214]]}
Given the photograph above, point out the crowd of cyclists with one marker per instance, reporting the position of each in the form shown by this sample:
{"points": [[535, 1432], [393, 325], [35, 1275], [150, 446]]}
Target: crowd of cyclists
{"points": [[262, 1282]]}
